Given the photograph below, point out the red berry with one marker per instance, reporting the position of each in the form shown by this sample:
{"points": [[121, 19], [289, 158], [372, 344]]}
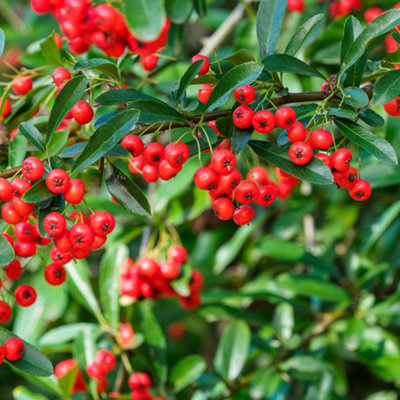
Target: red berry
{"points": [[59, 257], [346, 179], [205, 178], [106, 359], [19, 186], [75, 191], [55, 224], [371, 13], [57, 181], [148, 62], [6, 191], [98, 241], [61, 75], [191, 302], [41, 6], [6, 109], [22, 208], [296, 5], [125, 334], [285, 117], [136, 165], [2, 356], [63, 242], [80, 252], [177, 254], [204, 92], [81, 235], [8, 238], [102, 223], [82, 112], [361, 190], [393, 107], [245, 94], [341, 159], [25, 295], [14, 349], [166, 171], [246, 192], [230, 181], [223, 208], [58, 40], [10, 215], [320, 139], [148, 267], [169, 269], [150, 173], [259, 175], [139, 381], [196, 281], [25, 249], [223, 161], [300, 153], [55, 274], [32, 168], [266, 196], [243, 117], [153, 153], [205, 66], [176, 153], [5, 312], [24, 231], [243, 215], [325, 159], [21, 85], [297, 132], [13, 270], [133, 144], [264, 121]]}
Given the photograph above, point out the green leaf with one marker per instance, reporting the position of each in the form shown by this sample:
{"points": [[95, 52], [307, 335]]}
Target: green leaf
{"points": [[22, 393], [305, 364], [155, 111], [240, 57], [17, 150], [312, 287], [79, 284], [63, 334], [85, 346], [265, 382], [374, 144], [201, 7], [105, 138], [58, 142], [109, 282], [283, 320], [6, 251], [269, 20], [387, 88], [355, 97], [33, 135], [33, 362], [240, 137], [315, 172], [50, 51], [2, 41], [38, 193], [302, 34], [145, 18], [69, 95], [121, 96], [379, 26], [232, 350], [187, 78], [243, 74], [187, 371], [126, 192], [67, 382], [286, 63], [102, 65], [370, 117], [178, 10], [155, 341]]}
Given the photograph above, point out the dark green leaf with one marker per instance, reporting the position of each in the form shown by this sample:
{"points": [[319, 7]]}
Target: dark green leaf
{"points": [[178, 10], [155, 111], [370, 117], [33, 362], [201, 7], [145, 18], [302, 34], [17, 150], [387, 88], [38, 193], [343, 113], [121, 96], [269, 20], [239, 57], [187, 78], [285, 63], [187, 371], [50, 51], [243, 74], [232, 350], [2, 41], [6, 251], [105, 138], [33, 135], [102, 65], [58, 142], [368, 141], [69, 95], [240, 137], [315, 172], [126, 192], [355, 97]]}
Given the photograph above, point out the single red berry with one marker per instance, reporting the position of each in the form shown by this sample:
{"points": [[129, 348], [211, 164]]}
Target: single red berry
{"points": [[230, 181], [166, 171], [82, 112], [264, 121], [58, 40], [191, 302], [105, 17], [98, 241], [148, 62], [24, 231], [106, 359], [153, 153], [371, 13], [41, 6], [39, 239], [19, 186], [22, 85], [245, 94], [296, 5], [223, 161], [81, 235], [325, 159], [177, 254], [223, 208], [361, 190], [136, 165], [297, 132], [266, 196], [13, 270], [63, 242], [243, 117], [55, 274], [169, 269], [81, 252], [6, 191], [32, 168], [95, 371], [25, 295], [2, 355], [75, 191], [213, 124], [148, 267], [21, 207], [196, 281], [5, 312], [205, 66], [102, 223], [259, 175], [25, 249], [139, 381], [57, 181], [205, 178], [204, 92], [220, 192], [55, 224], [300, 153], [393, 107], [320, 139], [14, 349], [246, 192], [133, 144], [10, 215], [125, 334], [341, 159], [6, 109], [176, 153], [61, 75], [346, 179], [59, 257], [243, 215], [285, 117], [150, 173]]}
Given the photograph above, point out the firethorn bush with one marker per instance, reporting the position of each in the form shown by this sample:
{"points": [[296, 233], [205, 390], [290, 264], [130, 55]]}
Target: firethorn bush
{"points": [[199, 199]]}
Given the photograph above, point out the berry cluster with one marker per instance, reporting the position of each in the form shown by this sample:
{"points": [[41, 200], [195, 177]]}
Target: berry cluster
{"points": [[155, 161], [150, 278], [103, 26], [12, 350]]}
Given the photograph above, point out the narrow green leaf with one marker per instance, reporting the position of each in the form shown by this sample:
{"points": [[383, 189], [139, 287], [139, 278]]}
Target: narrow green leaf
{"points": [[201, 7], [2, 41], [6, 251], [156, 111], [283, 320], [187, 371], [370, 117], [355, 97], [38, 193], [232, 350], [187, 78], [48, 383], [315, 172], [22, 393], [63, 334], [102, 65], [121, 96], [305, 364], [69, 95], [50, 51], [105, 138], [243, 74], [302, 34], [374, 144], [269, 20], [33, 135], [240, 57], [240, 137], [67, 382], [58, 142], [387, 88], [17, 151]]}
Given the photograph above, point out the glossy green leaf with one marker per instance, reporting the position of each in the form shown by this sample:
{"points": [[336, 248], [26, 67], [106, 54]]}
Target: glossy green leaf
{"points": [[33, 362], [302, 34], [387, 87], [101, 65], [48, 383], [370, 117], [355, 97], [109, 282], [155, 111], [121, 96], [145, 18], [286, 63], [283, 320], [240, 137], [6, 251], [304, 363], [187, 78], [269, 20], [105, 138], [126, 192], [50, 51], [187, 371], [63, 334], [33, 135], [374, 144], [2, 41], [178, 10], [37, 193], [58, 142], [69, 95], [17, 151], [232, 350], [240, 57], [238, 76], [315, 172]]}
